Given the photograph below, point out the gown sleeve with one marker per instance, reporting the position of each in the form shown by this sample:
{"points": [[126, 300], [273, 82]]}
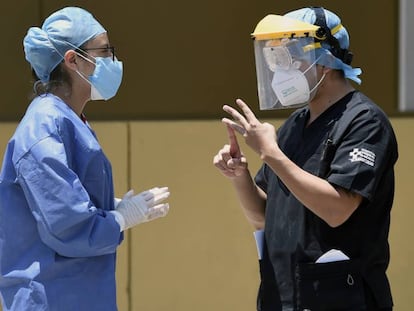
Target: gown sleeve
{"points": [[67, 220]]}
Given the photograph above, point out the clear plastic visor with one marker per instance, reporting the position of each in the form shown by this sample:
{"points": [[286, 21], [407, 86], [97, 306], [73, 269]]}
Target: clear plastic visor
{"points": [[286, 72]]}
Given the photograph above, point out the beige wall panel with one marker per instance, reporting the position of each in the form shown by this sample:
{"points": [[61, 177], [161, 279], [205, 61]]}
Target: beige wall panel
{"points": [[113, 137], [6, 131], [202, 256], [401, 271]]}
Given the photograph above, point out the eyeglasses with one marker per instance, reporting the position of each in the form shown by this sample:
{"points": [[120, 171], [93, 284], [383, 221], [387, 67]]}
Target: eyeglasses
{"points": [[109, 49]]}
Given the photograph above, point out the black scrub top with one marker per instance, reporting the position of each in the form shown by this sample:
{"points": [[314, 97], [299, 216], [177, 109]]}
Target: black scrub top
{"points": [[363, 163]]}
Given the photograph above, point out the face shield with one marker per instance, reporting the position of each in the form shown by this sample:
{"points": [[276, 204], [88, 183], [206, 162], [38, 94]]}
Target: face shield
{"points": [[285, 62]]}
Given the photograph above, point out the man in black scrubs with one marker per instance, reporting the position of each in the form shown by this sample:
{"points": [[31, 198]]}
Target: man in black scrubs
{"points": [[326, 185]]}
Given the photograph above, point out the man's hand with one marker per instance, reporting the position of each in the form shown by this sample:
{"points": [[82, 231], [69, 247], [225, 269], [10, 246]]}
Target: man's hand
{"points": [[261, 137], [230, 160]]}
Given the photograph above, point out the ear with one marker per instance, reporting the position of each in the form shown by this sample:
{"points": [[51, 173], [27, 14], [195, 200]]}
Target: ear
{"points": [[326, 70], [70, 60]]}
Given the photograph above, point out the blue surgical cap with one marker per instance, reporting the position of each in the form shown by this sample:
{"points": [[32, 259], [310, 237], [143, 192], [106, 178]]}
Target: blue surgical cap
{"points": [[63, 30], [323, 54]]}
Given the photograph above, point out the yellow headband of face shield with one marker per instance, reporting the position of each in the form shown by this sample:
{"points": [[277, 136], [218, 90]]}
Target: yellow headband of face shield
{"points": [[279, 27], [273, 27]]}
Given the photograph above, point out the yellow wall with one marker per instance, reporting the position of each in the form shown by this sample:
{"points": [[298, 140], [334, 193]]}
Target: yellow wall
{"points": [[202, 255]]}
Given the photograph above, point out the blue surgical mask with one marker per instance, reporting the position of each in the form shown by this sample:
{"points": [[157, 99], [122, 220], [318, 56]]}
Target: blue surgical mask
{"points": [[105, 79]]}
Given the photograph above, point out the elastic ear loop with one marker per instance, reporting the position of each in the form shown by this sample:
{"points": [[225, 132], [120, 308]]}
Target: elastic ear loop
{"points": [[321, 79], [317, 84], [80, 73]]}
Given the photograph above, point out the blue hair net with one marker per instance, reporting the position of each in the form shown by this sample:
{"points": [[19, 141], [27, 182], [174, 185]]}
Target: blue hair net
{"points": [[63, 30], [324, 56]]}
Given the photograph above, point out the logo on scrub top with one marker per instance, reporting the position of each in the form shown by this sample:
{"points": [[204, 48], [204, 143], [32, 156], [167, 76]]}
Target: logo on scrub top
{"points": [[362, 155]]}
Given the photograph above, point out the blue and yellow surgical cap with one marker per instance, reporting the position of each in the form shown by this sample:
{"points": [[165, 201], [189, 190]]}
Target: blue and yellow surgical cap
{"points": [[323, 54], [63, 30]]}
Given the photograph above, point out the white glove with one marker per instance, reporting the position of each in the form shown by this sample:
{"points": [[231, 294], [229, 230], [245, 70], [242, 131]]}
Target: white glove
{"points": [[143, 207], [116, 202]]}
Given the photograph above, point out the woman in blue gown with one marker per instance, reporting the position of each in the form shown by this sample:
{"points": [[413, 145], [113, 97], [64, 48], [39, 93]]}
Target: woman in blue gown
{"points": [[60, 225]]}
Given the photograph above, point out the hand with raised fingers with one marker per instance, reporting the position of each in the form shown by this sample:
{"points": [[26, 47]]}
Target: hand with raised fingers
{"points": [[261, 137], [230, 160]]}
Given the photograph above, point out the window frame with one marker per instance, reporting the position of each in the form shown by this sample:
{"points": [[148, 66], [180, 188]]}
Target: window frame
{"points": [[406, 67]]}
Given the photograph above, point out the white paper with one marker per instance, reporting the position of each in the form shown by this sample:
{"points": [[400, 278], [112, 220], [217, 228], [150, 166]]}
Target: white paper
{"points": [[259, 237], [331, 256]]}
